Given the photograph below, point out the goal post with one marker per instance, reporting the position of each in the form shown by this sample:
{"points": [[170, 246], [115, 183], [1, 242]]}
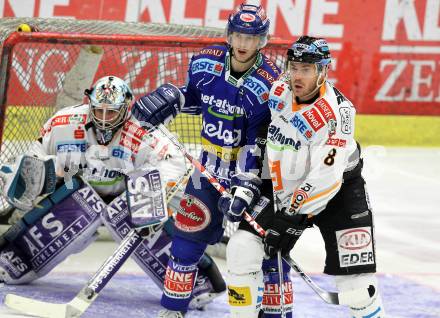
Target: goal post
{"points": [[45, 70]]}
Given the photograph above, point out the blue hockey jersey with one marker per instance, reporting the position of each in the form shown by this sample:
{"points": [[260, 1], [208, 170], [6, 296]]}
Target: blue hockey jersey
{"points": [[233, 110]]}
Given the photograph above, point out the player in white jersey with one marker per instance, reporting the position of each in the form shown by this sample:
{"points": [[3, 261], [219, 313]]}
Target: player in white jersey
{"points": [[315, 167], [102, 142]]}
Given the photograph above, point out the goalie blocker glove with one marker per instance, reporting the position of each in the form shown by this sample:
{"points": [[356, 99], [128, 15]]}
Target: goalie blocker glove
{"points": [[244, 195], [283, 232], [158, 107]]}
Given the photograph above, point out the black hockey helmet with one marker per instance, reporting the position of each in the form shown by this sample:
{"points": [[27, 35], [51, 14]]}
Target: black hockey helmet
{"points": [[308, 49]]}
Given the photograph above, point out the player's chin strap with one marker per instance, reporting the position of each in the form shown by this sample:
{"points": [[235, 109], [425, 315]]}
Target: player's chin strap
{"points": [[78, 305], [341, 298]]}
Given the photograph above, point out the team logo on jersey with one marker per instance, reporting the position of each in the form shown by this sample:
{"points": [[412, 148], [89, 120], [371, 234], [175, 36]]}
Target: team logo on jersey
{"points": [[345, 120], [258, 88], [315, 121], [299, 122], [266, 75], [118, 152], [79, 133], [336, 142], [228, 137], [276, 104], [299, 197], [193, 215], [130, 143], [207, 65], [275, 135], [73, 146], [221, 108], [133, 129], [214, 52], [77, 119], [355, 246], [325, 109]]}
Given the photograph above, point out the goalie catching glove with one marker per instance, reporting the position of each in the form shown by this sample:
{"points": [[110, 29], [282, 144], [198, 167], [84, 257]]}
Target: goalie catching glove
{"points": [[244, 195], [27, 179], [283, 232], [158, 107]]}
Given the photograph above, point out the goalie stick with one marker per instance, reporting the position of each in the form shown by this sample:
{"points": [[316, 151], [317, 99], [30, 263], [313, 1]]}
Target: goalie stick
{"points": [[78, 305], [335, 298], [87, 295]]}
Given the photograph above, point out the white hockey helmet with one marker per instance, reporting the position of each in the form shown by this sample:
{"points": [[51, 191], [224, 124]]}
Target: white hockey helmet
{"points": [[109, 99]]}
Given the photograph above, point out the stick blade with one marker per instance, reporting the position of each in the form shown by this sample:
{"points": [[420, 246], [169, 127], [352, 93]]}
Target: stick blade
{"points": [[34, 307]]}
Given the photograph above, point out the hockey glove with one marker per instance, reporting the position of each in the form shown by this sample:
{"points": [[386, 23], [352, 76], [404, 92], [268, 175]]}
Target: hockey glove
{"points": [[28, 178], [244, 195], [283, 232], [158, 107]]}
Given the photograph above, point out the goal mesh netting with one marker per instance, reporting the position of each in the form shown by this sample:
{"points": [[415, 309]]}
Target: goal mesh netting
{"points": [[48, 69]]}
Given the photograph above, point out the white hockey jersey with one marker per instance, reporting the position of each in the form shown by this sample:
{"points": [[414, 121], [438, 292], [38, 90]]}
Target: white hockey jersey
{"points": [[309, 147], [70, 137]]}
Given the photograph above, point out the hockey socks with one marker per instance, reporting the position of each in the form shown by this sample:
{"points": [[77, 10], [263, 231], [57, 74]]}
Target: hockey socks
{"points": [[272, 291], [181, 273]]}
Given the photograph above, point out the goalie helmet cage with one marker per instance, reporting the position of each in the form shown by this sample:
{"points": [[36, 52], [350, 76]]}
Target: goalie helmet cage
{"points": [[49, 68]]}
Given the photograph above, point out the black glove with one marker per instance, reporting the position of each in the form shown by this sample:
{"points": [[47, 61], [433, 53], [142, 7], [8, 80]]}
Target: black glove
{"points": [[159, 106], [283, 232], [244, 195]]}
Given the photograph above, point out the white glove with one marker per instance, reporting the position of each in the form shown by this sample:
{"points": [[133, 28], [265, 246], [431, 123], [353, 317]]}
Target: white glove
{"points": [[28, 178]]}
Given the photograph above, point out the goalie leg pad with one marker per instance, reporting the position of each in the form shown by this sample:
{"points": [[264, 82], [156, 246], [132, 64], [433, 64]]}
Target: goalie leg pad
{"points": [[244, 255], [272, 290], [63, 224], [371, 307], [153, 253]]}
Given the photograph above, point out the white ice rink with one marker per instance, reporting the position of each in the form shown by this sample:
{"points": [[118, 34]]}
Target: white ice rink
{"points": [[404, 187]]}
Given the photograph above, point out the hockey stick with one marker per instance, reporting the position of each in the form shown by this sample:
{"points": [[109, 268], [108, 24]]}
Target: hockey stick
{"points": [[281, 282], [179, 183], [87, 295], [341, 298], [280, 270], [78, 305]]}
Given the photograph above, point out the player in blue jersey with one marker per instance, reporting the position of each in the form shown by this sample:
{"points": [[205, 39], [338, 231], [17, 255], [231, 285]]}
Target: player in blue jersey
{"points": [[229, 86]]}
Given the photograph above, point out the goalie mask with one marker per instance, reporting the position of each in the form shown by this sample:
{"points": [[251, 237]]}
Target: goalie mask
{"points": [[251, 20], [109, 99]]}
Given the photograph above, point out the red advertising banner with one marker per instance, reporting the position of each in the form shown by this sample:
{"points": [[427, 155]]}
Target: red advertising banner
{"points": [[385, 52]]}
